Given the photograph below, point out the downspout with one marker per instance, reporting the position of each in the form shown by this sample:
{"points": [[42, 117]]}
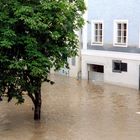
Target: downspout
{"points": [[83, 40]]}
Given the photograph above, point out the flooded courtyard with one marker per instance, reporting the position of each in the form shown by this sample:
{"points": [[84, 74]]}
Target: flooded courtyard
{"points": [[75, 110]]}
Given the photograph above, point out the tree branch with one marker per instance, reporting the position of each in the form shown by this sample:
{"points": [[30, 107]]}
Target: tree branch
{"points": [[32, 97]]}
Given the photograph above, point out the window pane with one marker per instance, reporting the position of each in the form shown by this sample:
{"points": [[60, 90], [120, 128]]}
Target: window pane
{"points": [[96, 32], [100, 38], [124, 33], [96, 39], [119, 32], [100, 32], [100, 26], [116, 66], [124, 67], [96, 26], [119, 39], [124, 26], [124, 39], [98, 68], [119, 26]]}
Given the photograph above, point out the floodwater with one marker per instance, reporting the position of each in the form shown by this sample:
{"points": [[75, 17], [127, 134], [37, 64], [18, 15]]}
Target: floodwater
{"points": [[75, 110]]}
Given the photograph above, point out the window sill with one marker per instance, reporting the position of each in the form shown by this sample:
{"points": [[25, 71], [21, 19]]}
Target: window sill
{"points": [[97, 44], [120, 45]]}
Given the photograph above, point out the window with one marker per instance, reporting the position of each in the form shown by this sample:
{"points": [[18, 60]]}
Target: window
{"points": [[73, 61], [98, 68], [97, 33], [119, 66], [124, 67], [120, 33]]}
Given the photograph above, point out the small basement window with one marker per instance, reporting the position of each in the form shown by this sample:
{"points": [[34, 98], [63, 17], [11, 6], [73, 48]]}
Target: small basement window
{"points": [[124, 67], [119, 66], [98, 68], [116, 66]]}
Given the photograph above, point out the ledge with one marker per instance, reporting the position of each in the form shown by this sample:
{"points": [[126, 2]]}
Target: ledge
{"points": [[111, 54]]}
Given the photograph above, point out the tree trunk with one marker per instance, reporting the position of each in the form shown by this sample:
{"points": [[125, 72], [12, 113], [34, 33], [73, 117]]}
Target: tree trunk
{"points": [[37, 104], [37, 112]]}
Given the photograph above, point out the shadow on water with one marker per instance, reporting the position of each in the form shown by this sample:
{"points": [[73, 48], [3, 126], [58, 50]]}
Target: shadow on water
{"points": [[75, 110]]}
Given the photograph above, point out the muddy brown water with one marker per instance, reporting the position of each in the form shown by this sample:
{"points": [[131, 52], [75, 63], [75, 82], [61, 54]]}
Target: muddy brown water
{"points": [[75, 110]]}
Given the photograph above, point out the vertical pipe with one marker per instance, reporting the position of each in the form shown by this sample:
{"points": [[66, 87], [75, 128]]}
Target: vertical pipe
{"points": [[139, 77]]}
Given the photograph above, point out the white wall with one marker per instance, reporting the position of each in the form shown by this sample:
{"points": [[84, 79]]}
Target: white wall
{"points": [[129, 78], [73, 71], [110, 10]]}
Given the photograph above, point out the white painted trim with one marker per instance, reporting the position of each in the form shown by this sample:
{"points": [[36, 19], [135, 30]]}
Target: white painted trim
{"points": [[115, 30], [112, 54], [93, 30]]}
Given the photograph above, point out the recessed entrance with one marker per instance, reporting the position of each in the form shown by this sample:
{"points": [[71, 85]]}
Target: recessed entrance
{"points": [[95, 72]]}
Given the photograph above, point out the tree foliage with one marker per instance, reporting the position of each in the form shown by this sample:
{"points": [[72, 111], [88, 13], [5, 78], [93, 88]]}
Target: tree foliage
{"points": [[35, 36]]}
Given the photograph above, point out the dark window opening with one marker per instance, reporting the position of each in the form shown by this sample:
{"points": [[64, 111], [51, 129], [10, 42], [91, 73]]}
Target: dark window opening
{"points": [[98, 68], [124, 67], [119, 66]]}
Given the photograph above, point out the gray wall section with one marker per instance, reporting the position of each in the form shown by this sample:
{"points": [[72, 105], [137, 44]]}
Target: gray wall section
{"points": [[114, 48], [110, 10]]}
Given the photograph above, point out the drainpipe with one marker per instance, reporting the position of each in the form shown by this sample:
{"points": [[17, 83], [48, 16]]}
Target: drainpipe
{"points": [[80, 58], [83, 40]]}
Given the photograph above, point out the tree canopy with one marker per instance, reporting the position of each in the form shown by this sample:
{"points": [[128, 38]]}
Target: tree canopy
{"points": [[35, 36]]}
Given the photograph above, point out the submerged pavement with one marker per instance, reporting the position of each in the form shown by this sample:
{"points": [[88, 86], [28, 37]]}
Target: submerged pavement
{"points": [[75, 110]]}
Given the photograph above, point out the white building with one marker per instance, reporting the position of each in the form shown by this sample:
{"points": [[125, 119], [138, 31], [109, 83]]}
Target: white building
{"points": [[74, 63], [111, 42]]}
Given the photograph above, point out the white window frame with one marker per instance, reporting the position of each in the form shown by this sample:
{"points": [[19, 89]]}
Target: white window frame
{"points": [[115, 43], [93, 22]]}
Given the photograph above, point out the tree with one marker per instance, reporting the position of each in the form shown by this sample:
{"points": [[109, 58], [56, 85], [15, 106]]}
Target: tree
{"points": [[35, 36]]}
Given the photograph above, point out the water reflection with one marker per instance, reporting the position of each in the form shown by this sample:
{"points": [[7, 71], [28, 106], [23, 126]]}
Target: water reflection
{"points": [[75, 110]]}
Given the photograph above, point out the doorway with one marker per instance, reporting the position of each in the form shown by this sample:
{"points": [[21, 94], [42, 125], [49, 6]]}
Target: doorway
{"points": [[95, 72]]}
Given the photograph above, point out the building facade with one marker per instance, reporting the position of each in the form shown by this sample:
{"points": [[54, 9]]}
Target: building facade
{"points": [[74, 63], [111, 42]]}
